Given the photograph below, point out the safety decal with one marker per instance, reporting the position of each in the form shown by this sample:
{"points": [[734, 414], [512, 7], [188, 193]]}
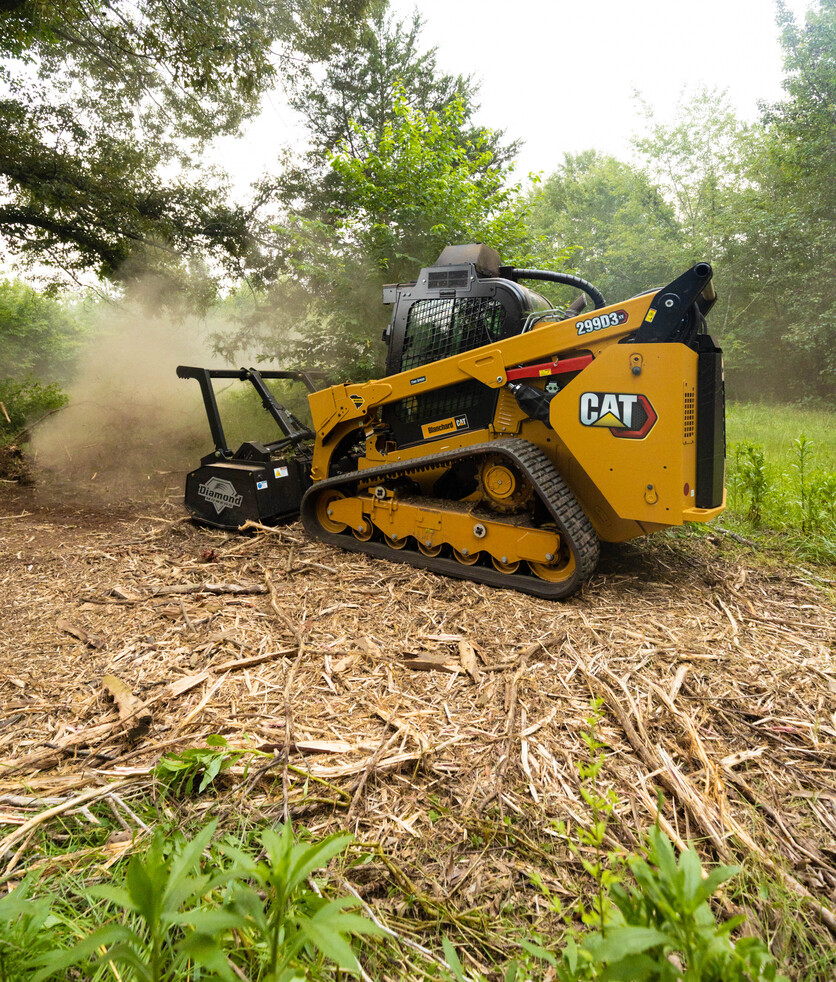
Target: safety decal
{"points": [[624, 414], [220, 493], [279, 472], [650, 315], [601, 321], [444, 426], [357, 400], [261, 485]]}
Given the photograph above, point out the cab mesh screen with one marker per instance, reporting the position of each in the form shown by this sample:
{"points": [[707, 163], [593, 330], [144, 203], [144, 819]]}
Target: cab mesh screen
{"points": [[461, 398], [439, 328]]}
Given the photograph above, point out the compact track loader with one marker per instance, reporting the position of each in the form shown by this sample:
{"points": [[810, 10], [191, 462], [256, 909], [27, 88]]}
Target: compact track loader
{"points": [[508, 437]]}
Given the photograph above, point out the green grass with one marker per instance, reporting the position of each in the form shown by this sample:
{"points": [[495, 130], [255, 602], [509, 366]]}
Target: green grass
{"points": [[781, 477], [775, 427]]}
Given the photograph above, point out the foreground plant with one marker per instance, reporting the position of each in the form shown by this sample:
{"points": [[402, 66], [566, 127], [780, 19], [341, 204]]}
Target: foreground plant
{"points": [[168, 920], [663, 928], [282, 914], [24, 923], [180, 914], [192, 771]]}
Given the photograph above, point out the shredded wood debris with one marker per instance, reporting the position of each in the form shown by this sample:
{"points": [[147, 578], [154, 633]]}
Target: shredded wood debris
{"points": [[439, 720]]}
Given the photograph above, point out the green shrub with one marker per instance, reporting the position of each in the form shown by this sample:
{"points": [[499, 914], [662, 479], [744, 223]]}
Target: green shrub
{"points": [[192, 771], [664, 929], [749, 477], [23, 402], [24, 931], [39, 335], [283, 919]]}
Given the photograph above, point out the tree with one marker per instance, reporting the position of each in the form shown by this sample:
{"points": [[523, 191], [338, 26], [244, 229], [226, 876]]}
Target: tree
{"points": [[620, 231], [418, 187], [796, 233], [709, 166], [39, 336], [347, 100], [699, 160], [395, 169], [104, 105], [695, 191]]}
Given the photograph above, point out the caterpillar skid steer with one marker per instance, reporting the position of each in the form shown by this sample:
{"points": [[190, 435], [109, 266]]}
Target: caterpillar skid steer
{"points": [[508, 437]]}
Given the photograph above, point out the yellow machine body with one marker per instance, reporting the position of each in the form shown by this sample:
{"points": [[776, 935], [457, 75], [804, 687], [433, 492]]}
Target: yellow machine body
{"points": [[627, 485], [507, 439]]}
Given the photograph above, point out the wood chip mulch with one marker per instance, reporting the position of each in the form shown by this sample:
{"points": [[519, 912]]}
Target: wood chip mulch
{"points": [[440, 720]]}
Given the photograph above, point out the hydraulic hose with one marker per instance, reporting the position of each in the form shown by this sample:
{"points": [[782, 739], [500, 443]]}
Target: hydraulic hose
{"points": [[593, 292]]}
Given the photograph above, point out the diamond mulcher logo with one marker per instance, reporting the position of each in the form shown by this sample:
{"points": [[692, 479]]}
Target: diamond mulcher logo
{"points": [[624, 414], [220, 493]]}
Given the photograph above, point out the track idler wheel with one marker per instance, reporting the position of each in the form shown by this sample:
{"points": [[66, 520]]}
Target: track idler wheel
{"points": [[556, 570], [322, 511]]}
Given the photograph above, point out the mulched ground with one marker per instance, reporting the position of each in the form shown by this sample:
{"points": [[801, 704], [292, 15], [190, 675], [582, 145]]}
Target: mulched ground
{"points": [[441, 721]]}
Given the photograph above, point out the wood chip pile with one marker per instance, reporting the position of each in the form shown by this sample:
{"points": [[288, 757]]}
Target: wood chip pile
{"points": [[440, 720]]}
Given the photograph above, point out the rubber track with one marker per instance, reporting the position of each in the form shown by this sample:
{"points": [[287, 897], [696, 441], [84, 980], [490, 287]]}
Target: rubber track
{"points": [[575, 528]]}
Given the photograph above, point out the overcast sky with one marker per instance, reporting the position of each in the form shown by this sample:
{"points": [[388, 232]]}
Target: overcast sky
{"points": [[561, 75]]}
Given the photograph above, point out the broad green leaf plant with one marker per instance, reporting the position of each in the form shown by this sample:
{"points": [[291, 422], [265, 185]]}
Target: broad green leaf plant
{"points": [[184, 911]]}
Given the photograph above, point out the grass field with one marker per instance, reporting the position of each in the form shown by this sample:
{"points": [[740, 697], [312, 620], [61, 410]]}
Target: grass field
{"points": [[781, 475], [776, 427]]}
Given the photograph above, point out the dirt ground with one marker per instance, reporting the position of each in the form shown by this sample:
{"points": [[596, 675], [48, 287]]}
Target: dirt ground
{"points": [[440, 720]]}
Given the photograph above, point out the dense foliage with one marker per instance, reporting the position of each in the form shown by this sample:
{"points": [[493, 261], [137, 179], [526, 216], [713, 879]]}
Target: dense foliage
{"points": [[39, 340], [757, 201], [106, 107]]}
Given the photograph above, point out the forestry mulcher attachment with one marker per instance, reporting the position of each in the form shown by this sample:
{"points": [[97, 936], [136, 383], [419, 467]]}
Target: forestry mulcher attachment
{"points": [[508, 437]]}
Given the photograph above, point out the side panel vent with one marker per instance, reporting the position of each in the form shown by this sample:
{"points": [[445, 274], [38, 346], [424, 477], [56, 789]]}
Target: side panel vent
{"points": [[689, 415]]}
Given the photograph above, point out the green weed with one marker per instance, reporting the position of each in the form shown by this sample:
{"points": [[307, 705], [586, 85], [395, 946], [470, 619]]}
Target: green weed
{"points": [[24, 923], [181, 911], [164, 920], [192, 771], [280, 915], [749, 474]]}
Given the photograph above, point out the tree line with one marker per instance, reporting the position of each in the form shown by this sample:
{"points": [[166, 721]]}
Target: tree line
{"points": [[108, 114]]}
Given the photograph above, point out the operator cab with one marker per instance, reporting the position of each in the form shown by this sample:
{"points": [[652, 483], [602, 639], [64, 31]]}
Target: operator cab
{"points": [[460, 303]]}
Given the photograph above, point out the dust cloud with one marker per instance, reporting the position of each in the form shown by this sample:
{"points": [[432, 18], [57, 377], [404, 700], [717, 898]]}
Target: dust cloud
{"points": [[129, 420]]}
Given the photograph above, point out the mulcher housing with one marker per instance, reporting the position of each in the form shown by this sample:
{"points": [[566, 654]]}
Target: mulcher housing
{"points": [[508, 437]]}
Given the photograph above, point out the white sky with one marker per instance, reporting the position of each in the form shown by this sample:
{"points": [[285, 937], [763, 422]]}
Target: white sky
{"points": [[560, 75]]}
